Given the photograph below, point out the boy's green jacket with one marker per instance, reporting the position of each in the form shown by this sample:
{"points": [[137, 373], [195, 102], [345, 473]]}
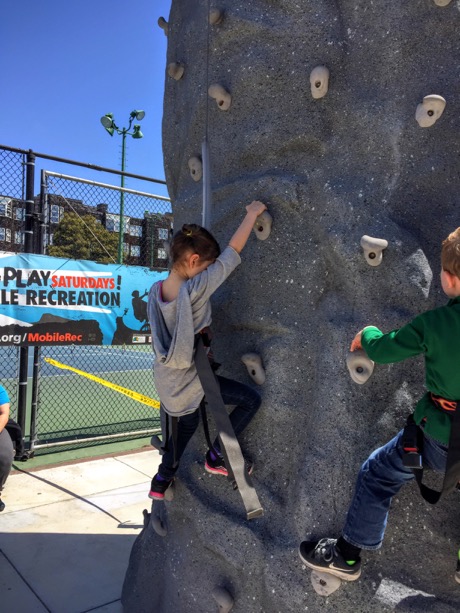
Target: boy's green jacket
{"points": [[436, 335]]}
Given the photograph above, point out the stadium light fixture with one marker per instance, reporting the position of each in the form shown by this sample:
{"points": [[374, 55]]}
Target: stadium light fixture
{"points": [[110, 126]]}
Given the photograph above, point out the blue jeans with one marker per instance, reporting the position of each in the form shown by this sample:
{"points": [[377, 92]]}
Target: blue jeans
{"points": [[247, 401], [381, 477]]}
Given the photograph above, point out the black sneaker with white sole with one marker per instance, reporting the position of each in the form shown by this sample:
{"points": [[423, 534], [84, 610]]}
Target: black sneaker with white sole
{"points": [[324, 556]]}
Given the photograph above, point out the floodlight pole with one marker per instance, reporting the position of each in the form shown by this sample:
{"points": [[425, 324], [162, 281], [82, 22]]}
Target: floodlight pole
{"points": [[109, 124], [122, 197]]}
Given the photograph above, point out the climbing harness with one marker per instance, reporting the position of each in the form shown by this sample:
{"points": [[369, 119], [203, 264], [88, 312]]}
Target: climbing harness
{"points": [[413, 449], [230, 447]]}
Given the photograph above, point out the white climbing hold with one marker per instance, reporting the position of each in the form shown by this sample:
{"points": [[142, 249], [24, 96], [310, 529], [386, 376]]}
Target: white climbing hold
{"points": [[253, 363], [359, 366], [325, 584], [176, 70], [319, 81], [196, 168], [223, 598], [163, 25], [430, 110], [442, 2], [373, 249], [216, 16], [263, 226], [169, 493], [221, 96]]}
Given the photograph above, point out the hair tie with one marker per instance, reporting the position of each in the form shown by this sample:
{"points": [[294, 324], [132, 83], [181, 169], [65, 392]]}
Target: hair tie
{"points": [[188, 232]]}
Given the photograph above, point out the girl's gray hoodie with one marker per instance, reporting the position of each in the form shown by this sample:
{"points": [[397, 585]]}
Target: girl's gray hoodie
{"points": [[174, 325]]}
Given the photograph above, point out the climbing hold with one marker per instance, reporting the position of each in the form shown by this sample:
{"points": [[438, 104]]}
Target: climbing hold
{"points": [[442, 2], [359, 366], [216, 16], [196, 168], [163, 25], [176, 70], [223, 598], [373, 249], [159, 526], [146, 515], [430, 110], [253, 363], [263, 225], [169, 494], [221, 96], [319, 81], [159, 518], [325, 584]]}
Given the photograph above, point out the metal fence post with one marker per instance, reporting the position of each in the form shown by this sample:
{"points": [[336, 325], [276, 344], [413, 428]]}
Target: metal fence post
{"points": [[39, 248], [28, 248]]}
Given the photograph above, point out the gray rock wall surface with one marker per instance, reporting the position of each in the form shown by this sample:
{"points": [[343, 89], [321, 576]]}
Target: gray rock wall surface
{"points": [[354, 162]]}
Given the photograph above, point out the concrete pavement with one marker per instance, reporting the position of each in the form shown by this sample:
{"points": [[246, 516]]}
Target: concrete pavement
{"points": [[67, 532]]}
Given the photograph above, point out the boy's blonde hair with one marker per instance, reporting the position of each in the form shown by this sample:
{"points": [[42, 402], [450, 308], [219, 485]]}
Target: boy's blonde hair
{"points": [[450, 253]]}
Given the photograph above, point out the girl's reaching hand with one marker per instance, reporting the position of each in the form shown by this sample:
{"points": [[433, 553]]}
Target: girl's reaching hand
{"points": [[256, 208]]}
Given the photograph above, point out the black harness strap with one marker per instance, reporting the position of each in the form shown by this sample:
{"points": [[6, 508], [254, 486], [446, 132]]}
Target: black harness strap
{"points": [[452, 474], [229, 443], [168, 423], [174, 421]]}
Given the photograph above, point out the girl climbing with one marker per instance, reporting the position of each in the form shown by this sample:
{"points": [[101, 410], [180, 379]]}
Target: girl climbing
{"points": [[178, 310]]}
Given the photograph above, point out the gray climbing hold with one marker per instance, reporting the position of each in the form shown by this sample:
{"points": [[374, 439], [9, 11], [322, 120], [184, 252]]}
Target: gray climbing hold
{"points": [[263, 226], [221, 96], [325, 584], [253, 363], [176, 70], [359, 366], [223, 598], [430, 110], [159, 527], [373, 249], [196, 168], [216, 16], [146, 515], [163, 25], [442, 2], [169, 494], [319, 81]]}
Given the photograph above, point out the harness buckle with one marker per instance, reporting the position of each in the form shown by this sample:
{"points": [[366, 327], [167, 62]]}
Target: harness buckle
{"points": [[412, 458], [449, 406]]}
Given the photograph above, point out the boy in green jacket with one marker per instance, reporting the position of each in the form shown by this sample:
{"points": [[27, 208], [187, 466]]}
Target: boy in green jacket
{"points": [[436, 335]]}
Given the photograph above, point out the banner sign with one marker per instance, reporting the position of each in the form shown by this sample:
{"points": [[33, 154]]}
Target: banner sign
{"points": [[56, 301]]}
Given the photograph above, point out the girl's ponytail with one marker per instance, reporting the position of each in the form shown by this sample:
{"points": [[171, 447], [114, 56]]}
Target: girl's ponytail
{"points": [[195, 239]]}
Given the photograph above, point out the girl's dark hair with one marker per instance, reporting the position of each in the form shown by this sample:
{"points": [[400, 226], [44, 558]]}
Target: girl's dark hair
{"points": [[195, 239]]}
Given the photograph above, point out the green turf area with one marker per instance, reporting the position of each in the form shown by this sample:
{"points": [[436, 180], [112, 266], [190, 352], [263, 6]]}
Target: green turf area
{"points": [[73, 406], [95, 451]]}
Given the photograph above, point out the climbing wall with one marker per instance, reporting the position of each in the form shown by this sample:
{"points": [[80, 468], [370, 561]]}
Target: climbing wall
{"points": [[344, 117]]}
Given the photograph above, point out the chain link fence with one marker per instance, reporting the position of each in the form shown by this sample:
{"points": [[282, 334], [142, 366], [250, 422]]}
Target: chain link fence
{"points": [[137, 221], [105, 223], [12, 190], [74, 410], [13, 174]]}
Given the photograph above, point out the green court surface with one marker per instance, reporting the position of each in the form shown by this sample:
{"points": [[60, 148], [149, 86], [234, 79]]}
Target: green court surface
{"points": [[72, 407]]}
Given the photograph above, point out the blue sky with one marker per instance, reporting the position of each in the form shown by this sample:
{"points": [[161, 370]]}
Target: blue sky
{"points": [[66, 63]]}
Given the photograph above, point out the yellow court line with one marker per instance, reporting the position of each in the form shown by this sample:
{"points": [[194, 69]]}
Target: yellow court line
{"points": [[122, 390]]}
